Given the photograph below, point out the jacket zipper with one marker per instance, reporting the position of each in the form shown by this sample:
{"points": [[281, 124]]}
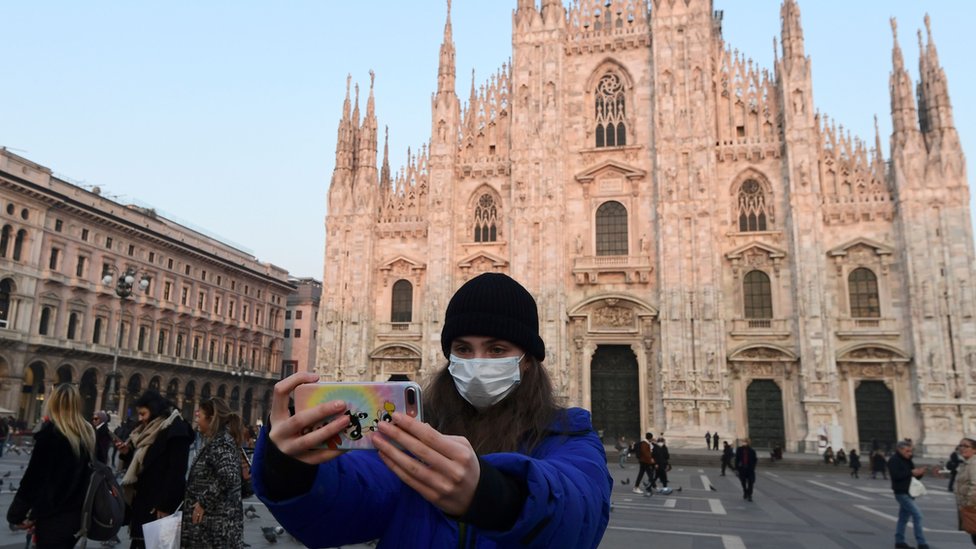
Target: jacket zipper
{"points": [[462, 534]]}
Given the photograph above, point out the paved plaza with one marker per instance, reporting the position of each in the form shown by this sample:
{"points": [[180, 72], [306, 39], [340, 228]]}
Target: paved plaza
{"points": [[809, 507]]}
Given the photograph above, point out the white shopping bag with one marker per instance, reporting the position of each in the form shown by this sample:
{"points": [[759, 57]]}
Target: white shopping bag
{"points": [[163, 533]]}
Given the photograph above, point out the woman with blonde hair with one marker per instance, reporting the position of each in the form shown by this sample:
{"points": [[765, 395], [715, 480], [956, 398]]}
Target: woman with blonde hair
{"points": [[212, 512], [53, 488]]}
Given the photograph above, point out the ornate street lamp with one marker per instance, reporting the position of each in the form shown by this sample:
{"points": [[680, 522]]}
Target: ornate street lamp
{"points": [[240, 372], [123, 289]]}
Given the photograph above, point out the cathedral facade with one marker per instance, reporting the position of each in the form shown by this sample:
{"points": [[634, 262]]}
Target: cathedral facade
{"points": [[706, 250]]}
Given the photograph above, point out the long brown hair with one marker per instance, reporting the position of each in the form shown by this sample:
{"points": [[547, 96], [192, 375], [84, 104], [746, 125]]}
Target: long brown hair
{"points": [[518, 423], [219, 413]]}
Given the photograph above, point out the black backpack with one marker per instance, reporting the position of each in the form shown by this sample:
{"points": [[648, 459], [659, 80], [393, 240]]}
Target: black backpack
{"points": [[103, 512]]}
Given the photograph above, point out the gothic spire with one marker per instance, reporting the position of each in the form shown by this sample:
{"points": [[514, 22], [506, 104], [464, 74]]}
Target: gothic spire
{"points": [[445, 69], [904, 125], [935, 109], [471, 115], [385, 170], [344, 137], [367, 131], [792, 31]]}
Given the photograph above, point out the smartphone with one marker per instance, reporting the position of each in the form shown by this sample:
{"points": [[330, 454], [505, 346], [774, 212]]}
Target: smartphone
{"points": [[367, 404]]}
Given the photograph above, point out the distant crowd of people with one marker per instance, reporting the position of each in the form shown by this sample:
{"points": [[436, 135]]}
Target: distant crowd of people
{"points": [[152, 453]]}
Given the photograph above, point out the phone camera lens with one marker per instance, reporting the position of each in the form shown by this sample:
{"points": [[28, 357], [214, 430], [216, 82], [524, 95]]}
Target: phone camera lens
{"points": [[411, 396]]}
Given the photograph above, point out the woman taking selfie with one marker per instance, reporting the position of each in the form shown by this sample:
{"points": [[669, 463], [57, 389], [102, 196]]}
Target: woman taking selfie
{"points": [[497, 463], [54, 485], [212, 512]]}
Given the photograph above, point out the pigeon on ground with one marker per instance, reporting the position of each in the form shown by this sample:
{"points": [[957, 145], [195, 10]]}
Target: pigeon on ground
{"points": [[250, 512], [269, 534], [7, 474], [625, 481], [712, 488]]}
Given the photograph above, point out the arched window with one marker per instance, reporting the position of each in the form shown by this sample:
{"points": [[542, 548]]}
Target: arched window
{"points": [[45, 320], [486, 219], [5, 239], [611, 229], [5, 289], [402, 310], [862, 286], [758, 295], [753, 211], [19, 243], [72, 325], [611, 126], [97, 331]]}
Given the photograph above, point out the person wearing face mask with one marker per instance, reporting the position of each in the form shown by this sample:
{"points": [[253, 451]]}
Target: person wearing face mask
{"points": [[497, 464]]}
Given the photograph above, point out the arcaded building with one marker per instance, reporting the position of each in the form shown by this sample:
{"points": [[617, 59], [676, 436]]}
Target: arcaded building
{"points": [[200, 318], [708, 252]]}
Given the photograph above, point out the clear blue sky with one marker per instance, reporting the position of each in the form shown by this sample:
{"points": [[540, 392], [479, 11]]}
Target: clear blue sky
{"points": [[223, 114]]}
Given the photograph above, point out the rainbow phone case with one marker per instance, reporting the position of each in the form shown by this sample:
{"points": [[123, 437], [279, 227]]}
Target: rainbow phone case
{"points": [[367, 404]]}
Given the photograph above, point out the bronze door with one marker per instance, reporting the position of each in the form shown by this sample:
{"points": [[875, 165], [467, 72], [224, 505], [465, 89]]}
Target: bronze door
{"points": [[764, 404], [875, 416], [615, 393]]}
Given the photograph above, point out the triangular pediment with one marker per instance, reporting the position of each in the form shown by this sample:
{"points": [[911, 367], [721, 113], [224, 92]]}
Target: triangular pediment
{"points": [[879, 248], [610, 166], [402, 262], [753, 247], [483, 257]]}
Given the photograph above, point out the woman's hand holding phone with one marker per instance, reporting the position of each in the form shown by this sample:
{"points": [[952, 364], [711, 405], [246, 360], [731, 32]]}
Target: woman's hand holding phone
{"points": [[293, 434], [443, 469]]}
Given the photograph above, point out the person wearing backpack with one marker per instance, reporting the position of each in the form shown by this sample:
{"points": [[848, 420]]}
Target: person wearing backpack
{"points": [[52, 492]]}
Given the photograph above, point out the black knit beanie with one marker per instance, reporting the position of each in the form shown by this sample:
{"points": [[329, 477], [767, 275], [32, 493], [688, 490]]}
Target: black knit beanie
{"points": [[494, 305]]}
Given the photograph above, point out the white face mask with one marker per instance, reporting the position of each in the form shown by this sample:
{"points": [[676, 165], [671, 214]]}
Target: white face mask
{"points": [[485, 381]]}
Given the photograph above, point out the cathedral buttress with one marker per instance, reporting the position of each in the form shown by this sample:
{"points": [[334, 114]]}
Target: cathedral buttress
{"points": [[929, 176], [819, 388], [685, 42]]}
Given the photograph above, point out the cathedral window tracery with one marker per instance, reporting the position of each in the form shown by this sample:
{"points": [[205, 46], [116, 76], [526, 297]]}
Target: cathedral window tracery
{"points": [[486, 219], [611, 229], [752, 207], [758, 296], [611, 125], [402, 302], [862, 286]]}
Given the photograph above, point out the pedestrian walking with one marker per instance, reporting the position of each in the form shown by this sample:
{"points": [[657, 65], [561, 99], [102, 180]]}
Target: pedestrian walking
{"points": [[662, 463], [645, 460], [727, 456], [155, 457], [878, 465], [496, 462], [213, 515], [52, 491], [745, 464], [622, 450], [953, 466], [4, 434], [966, 486], [708, 440], [855, 463], [902, 470], [715, 440]]}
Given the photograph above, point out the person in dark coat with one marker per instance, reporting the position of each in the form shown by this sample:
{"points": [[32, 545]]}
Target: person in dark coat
{"points": [[645, 460], [953, 466], [662, 458], [745, 464], [855, 463], [902, 470], [878, 465], [727, 456], [52, 491], [103, 438], [715, 439], [212, 511], [155, 456]]}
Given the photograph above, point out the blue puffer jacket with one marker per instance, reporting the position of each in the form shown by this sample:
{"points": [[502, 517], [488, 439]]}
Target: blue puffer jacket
{"points": [[356, 498]]}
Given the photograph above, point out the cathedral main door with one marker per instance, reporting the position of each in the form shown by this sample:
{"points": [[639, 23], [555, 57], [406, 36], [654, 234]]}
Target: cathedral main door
{"points": [[764, 403], [875, 416], [615, 393]]}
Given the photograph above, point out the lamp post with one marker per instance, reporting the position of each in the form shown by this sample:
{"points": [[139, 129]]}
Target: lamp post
{"points": [[123, 289], [240, 372]]}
